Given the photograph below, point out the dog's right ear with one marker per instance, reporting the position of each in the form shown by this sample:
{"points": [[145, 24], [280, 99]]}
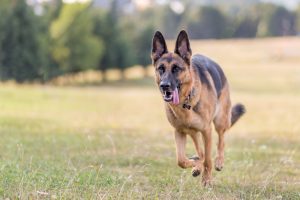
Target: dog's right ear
{"points": [[159, 46]]}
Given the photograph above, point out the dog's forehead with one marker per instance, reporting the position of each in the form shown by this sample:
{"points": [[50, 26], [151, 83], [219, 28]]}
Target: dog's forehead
{"points": [[170, 58]]}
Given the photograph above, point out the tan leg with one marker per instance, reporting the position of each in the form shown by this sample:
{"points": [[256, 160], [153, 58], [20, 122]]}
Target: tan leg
{"points": [[199, 163], [207, 175], [182, 160], [219, 161], [196, 139], [222, 123]]}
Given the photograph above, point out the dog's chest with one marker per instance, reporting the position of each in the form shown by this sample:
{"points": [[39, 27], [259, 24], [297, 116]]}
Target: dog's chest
{"points": [[181, 118]]}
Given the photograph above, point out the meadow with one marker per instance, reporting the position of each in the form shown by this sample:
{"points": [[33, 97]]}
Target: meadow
{"points": [[113, 141]]}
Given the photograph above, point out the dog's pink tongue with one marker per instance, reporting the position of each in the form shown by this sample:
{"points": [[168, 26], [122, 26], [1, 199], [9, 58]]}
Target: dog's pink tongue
{"points": [[175, 97]]}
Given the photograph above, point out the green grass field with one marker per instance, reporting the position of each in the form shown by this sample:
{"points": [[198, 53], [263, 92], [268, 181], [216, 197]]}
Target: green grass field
{"points": [[114, 141]]}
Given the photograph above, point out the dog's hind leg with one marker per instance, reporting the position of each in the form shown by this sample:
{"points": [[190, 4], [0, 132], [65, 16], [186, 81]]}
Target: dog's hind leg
{"points": [[219, 161], [222, 123], [182, 160]]}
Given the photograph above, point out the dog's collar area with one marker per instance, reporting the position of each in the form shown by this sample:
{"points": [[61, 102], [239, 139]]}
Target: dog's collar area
{"points": [[186, 104]]}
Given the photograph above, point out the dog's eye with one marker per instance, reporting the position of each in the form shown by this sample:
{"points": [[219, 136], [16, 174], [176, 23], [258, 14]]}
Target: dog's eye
{"points": [[176, 69], [161, 69]]}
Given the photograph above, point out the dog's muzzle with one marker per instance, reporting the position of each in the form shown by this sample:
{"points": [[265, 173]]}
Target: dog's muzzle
{"points": [[165, 88], [169, 94]]}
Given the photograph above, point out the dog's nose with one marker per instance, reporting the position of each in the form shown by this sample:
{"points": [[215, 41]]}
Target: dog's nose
{"points": [[165, 85]]}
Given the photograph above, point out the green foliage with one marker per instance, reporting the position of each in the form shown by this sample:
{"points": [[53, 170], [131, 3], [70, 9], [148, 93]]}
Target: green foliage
{"points": [[51, 12], [76, 48], [282, 22], [118, 48], [275, 21], [104, 30], [208, 22], [69, 38], [246, 28], [298, 20], [4, 8], [142, 41], [22, 57]]}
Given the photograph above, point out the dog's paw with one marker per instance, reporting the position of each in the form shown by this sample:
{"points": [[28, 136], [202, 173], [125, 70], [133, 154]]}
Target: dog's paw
{"points": [[207, 180], [196, 172], [207, 183], [219, 163]]}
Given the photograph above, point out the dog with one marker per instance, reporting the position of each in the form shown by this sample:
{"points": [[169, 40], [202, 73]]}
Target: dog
{"points": [[196, 94]]}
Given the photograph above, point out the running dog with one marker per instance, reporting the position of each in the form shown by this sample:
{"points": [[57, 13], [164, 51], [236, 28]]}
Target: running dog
{"points": [[196, 93]]}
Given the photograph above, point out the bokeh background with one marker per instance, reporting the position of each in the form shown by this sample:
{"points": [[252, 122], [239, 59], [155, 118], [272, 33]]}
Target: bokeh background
{"points": [[81, 116], [45, 39]]}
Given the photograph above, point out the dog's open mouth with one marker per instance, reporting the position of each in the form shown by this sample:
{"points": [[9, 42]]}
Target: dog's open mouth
{"points": [[171, 96], [168, 96]]}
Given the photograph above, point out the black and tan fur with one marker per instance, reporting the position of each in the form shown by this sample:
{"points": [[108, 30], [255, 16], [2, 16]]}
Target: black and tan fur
{"points": [[202, 84]]}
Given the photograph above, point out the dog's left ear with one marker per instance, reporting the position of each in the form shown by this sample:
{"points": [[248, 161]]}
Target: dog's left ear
{"points": [[182, 47]]}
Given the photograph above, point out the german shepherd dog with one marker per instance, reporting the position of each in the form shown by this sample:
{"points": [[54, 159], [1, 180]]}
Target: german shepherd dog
{"points": [[196, 93]]}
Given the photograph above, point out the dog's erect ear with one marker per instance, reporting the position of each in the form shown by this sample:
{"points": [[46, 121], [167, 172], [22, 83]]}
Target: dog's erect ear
{"points": [[159, 46], [182, 47]]}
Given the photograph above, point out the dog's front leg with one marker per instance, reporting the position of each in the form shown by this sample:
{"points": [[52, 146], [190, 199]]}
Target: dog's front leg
{"points": [[182, 160], [206, 178], [198, 169]]}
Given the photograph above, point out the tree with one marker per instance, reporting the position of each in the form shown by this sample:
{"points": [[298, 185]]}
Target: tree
{"points": [[4, 11], [298, 20], [208, 22], [75, 47], [22, 55], [275, 21], [118, 46], [246, 28], [51, 12], [142, 46], [282, 22], [139, 35]]}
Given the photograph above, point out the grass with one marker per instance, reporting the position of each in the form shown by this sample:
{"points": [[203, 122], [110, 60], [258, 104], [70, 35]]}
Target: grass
{"points": [[112, 142]]}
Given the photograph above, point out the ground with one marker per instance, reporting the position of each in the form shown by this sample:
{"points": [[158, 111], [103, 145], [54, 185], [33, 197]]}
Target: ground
{"points": [[113, 141]]}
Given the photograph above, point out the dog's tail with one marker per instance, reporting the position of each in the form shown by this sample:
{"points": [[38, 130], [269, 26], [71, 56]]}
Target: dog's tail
{"points": [[236, 112]]}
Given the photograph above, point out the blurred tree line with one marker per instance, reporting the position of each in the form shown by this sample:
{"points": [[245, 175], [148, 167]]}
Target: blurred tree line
{"points": [[65, 38]]}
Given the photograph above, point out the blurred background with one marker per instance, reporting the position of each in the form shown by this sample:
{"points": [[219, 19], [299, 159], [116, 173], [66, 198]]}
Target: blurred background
{"points": [[81, 116], [41, 40]]}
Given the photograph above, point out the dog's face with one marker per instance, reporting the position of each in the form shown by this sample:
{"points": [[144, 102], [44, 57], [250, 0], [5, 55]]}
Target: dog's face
{"points": [[172, 69]]}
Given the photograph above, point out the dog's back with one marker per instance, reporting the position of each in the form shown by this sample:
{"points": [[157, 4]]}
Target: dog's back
{"points": [[202, 63]]}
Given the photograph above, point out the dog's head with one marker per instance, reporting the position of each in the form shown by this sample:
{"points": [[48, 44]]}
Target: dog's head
{"points": [[172, 69]]}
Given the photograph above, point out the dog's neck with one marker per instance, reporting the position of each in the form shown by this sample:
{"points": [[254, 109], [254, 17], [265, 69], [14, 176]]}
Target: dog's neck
{"points": [[190, 93], [187, 101]]}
